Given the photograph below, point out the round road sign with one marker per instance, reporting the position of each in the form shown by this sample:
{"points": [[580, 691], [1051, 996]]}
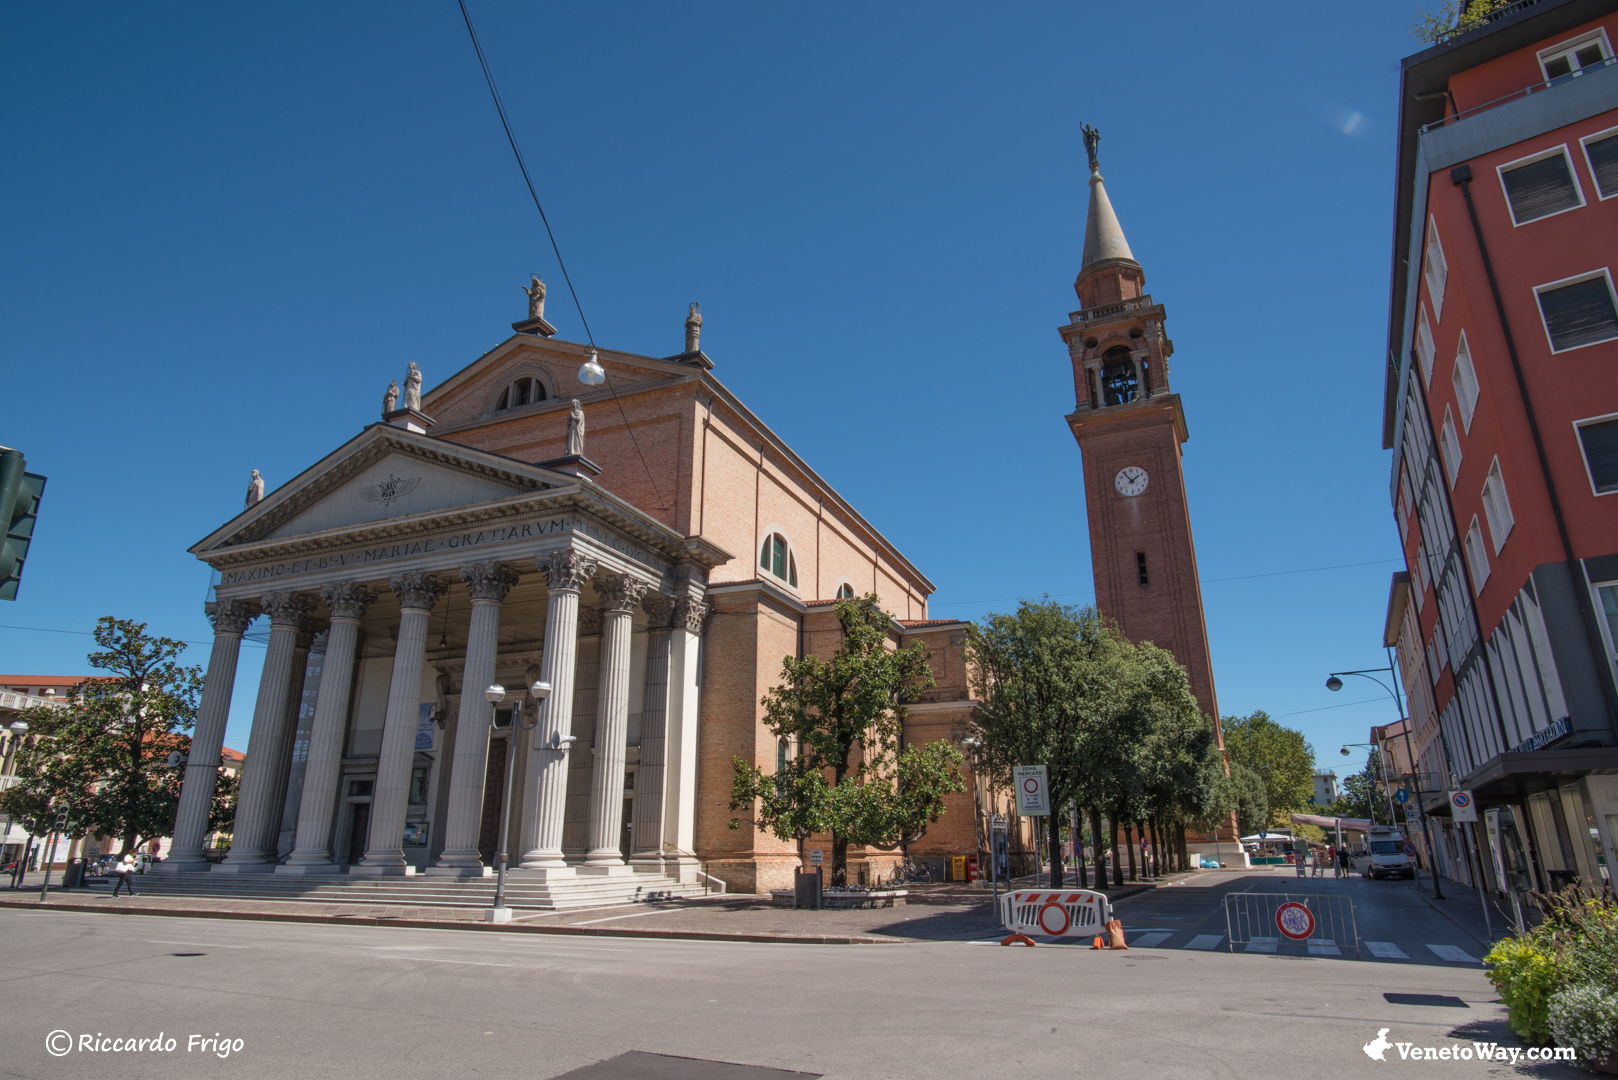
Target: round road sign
{"points": [[1409, 848], [1030, 785], [1461, 799], [1295, 921], [1056, 931]]}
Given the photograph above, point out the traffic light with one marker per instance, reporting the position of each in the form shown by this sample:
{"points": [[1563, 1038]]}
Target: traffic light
{"points": [[20, 492]]}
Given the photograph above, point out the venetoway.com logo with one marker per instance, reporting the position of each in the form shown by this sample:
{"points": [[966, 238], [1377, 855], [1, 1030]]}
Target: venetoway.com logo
{"points": [[1377, 1050]]}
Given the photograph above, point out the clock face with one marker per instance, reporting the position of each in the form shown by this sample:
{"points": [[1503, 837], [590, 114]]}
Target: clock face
{"points": [[1131, 480]]}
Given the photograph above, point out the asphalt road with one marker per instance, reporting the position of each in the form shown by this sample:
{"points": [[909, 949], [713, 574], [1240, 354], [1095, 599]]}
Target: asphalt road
{"points": [[311, 1001]]}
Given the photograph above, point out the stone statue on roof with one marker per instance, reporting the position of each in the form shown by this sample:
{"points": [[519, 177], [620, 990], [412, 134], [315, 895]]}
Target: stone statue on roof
{"points": [[536, 297], [693, 328], [412, 387], [390, 399], [255, 488], [1092, 139], [575, 430]]}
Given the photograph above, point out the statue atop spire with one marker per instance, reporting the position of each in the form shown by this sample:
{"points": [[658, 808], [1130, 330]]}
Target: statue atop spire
{"points": [[1092, 139]]}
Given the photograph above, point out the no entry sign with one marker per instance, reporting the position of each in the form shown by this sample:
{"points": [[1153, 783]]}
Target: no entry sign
{"points": [[1295, 921]]}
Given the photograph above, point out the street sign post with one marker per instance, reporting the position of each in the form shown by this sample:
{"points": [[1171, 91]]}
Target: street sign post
{"points": [[1462, 806], [1401, 796], [1033, 790]]}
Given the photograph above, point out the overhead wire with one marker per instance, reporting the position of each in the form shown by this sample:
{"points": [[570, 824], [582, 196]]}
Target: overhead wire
{"points": [[556, 248]]}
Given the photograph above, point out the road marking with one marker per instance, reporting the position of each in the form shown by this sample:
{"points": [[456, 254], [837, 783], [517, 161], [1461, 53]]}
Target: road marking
{"points": [[1386, 950], [1454, 954], [1263, 944], [408, 948], [614, 918], [205, 944], [1324, 948], [443, 960], [1153, 940], [1205, 941]]}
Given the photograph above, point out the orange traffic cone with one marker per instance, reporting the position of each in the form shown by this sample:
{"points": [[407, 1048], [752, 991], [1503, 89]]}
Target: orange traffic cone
{"points": [[1096, 944]]}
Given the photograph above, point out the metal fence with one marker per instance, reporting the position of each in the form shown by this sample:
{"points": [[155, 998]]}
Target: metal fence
{"points": [[1307, 924]]}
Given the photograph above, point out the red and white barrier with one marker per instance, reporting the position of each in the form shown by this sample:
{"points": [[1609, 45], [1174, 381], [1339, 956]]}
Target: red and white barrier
{"points": [[1055, 912]]}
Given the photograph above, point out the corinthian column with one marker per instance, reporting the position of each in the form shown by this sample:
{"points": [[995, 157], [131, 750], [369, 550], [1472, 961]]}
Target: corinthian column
{"points": [[258, 818], [487, 584], [620, 596], [545, 795], [312, 851], [680, 777], [384, 846], [230, 618], [646, 838]]}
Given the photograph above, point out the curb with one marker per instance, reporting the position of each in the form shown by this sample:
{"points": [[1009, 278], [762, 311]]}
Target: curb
{"points": [[1463, 928], [473, 927]]}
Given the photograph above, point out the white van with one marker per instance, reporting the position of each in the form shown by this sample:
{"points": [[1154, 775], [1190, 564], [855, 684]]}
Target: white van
{"points": [[1388, 858]]}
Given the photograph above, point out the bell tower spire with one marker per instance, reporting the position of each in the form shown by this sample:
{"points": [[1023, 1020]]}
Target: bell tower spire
{"points": [[1130, 426]]}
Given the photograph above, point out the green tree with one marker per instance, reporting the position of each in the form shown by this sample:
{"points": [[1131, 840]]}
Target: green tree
{"points": [[1364, 795], [1455, 17], [1181, 772], [102, 759], [851, 777], [1280, 756]]}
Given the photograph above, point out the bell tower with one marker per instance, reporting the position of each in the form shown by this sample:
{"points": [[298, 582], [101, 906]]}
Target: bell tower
{"points": [[1130, 425]]}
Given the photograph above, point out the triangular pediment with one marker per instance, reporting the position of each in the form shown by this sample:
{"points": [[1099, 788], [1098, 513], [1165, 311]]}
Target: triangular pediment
{"points": [[384, 473]]}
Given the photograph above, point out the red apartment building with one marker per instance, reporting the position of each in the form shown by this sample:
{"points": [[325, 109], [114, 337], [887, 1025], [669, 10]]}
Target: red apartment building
{"points": [[1502, 415]]}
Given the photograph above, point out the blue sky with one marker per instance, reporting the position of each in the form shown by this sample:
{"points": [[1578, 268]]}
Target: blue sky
{"points": [[227, 227]]}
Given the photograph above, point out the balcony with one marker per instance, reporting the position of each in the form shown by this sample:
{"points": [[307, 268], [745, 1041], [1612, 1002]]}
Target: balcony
{"points": [[1517, 95]]}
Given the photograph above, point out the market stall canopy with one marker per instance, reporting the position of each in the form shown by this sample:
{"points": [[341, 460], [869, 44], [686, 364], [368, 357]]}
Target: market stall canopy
{"points": [[1353, 824]]}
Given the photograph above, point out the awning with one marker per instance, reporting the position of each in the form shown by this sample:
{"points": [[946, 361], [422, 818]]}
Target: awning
{"points": [[1353, 824]]}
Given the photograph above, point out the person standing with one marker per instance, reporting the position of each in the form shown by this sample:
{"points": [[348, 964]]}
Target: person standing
{"points": [[125, 874]]}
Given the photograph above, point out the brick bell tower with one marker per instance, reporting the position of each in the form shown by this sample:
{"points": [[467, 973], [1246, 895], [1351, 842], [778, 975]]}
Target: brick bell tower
{"points": [[1129, 425]]}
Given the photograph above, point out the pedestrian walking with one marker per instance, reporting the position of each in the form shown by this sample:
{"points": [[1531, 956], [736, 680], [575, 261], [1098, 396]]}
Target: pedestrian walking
{"points": [[1342, 862], [124, 873]]}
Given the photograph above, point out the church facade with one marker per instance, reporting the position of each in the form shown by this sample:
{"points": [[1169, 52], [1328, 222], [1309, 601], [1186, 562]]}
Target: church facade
{"points": [[644, 544]]}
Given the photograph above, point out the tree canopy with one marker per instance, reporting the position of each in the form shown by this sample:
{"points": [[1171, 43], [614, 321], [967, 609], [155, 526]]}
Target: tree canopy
{"points": [[1280, 756], [846, 772], [102, 757]]}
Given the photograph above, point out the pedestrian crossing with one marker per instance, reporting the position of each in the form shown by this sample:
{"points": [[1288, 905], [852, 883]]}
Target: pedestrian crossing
{"points": [[1379, 950]]}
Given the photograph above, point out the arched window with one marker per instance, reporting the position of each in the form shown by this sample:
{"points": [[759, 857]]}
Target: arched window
{"points": [[783, 754], [1119, 380], [524, 390], [845, 591], [777, 558]]}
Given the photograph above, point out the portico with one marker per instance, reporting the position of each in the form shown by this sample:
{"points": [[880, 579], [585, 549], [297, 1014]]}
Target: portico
{"points": [[419, 572]]}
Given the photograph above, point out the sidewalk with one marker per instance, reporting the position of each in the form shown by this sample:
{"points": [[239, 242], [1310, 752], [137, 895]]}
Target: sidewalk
{"points": [[1461, 907], [946, 912]]}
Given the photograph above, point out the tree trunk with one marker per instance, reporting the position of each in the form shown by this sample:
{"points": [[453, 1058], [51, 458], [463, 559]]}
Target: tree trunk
{"points": [[1053, 829], [1117, 852], [839, 860], [1185, 860], [1129, 842], [1095, 837], [1078, 845]]}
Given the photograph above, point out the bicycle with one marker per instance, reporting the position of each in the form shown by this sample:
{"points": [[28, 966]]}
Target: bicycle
{"points": [[911, 872]]}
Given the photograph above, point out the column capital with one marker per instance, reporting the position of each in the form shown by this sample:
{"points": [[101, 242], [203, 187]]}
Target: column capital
{"points": [[347, 599], [417, 589], [691, 614], [288, 609], [229, 616], [308, 630], [659, 611], [620, 593], [567, 569], [589, 621], [488, 580]]}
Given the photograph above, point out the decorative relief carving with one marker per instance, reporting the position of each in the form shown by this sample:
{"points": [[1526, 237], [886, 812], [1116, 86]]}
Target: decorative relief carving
{"points": [[347, 599], [621, 593], [488, 580], [659, 611], [229, 616], [287, 608], [567, 569], [418, 589], [691, 614], [589, 621]]}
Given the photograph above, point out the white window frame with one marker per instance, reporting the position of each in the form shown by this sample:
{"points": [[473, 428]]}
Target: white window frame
{"points": [[1477, 556], [1596, 588], [1606, 275], [1584, 145], [1449, 447], [1467, 399], [1435, 268], [1571, 46], [844, 583], [791, 557], [1573, 174], [1497, 507], [1425, 346], [1588, 473]]}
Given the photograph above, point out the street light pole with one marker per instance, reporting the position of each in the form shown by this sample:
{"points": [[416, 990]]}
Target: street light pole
{"points": [[494, 695], [1335, 683]]}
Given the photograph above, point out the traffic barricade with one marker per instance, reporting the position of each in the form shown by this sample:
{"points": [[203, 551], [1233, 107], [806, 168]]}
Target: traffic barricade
{"points": [[1055, 912], [1305, 923]]}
